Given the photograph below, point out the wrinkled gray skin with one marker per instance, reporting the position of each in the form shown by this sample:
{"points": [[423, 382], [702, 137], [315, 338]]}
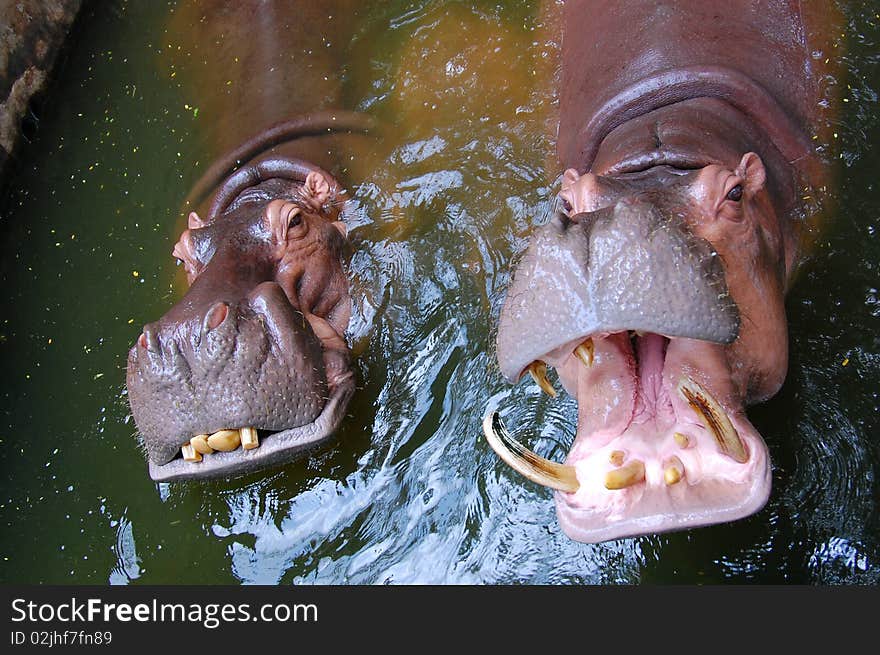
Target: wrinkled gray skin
{"points": [[239, 349], [261, 366], [631, 266]]}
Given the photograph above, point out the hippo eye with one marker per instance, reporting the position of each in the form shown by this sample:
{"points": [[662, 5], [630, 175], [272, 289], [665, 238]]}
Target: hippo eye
{"points": [[736, 193], [295, 220]]}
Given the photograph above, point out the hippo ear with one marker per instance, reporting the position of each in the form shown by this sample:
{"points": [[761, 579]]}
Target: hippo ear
{"points": [[751, 169], [185, 251], [567, 193], [194, 222], [316, 190], [580, 193]]}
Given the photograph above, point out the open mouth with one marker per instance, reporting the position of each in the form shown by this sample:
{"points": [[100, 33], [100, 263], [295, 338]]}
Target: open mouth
{"points": [[237, 451], [662, 440]]}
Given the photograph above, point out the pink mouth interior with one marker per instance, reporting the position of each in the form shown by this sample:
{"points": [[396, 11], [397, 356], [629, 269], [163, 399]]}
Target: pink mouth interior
{"points": [[628, 401]]}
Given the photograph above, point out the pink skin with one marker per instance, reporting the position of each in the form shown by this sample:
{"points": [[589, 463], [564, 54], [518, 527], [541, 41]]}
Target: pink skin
{"points": [[629, 402], [316, 190]]}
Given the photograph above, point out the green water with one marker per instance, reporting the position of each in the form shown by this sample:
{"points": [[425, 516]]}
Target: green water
{"points": [[408, 491]]}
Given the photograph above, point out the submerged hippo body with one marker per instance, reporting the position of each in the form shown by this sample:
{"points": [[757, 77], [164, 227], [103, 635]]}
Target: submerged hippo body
{"points": [[686, 135], [251, 367]]}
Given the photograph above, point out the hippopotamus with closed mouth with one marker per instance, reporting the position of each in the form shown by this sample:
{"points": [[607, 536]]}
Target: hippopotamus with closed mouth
{"points": [[656, 291], [251, 366]]}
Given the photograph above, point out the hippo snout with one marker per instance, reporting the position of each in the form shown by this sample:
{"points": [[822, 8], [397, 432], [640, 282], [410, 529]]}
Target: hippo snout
{"points": [[629, 266], [254, 364]]}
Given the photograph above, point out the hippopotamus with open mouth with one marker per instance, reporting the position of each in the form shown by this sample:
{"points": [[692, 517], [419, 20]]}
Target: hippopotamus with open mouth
{"points": [[657, 290]]}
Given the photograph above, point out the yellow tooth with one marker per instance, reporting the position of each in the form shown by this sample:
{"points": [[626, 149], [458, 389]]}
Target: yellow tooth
{"points": [[673, 471], [225, 440], [584, 352], [715, 419], [538, 371], [625, 476], [616, 457], [524, 461], [189, 453], [681, 439], [200, 444], [249, 438]]}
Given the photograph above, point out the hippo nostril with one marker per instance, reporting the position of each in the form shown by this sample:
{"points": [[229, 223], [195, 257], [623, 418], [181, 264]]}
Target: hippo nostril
{"points": [[148, 340], [216, 315]]}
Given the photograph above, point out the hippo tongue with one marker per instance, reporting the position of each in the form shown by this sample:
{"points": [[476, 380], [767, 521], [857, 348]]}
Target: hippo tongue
{"points": [[662, 444]]}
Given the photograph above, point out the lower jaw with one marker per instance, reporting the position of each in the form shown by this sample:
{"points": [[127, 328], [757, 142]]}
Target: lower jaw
{"points": [[640, 444], [660, 511], [595, 513], [277, 448]]}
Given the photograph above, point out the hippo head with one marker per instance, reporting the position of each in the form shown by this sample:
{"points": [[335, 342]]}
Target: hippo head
{"points": [[656, 293], [251, 366]]}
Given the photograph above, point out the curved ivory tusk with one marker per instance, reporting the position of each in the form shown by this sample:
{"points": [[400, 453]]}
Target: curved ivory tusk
{"points": [[713, 416], [538, 371], [524, 461], [584, 352]]}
